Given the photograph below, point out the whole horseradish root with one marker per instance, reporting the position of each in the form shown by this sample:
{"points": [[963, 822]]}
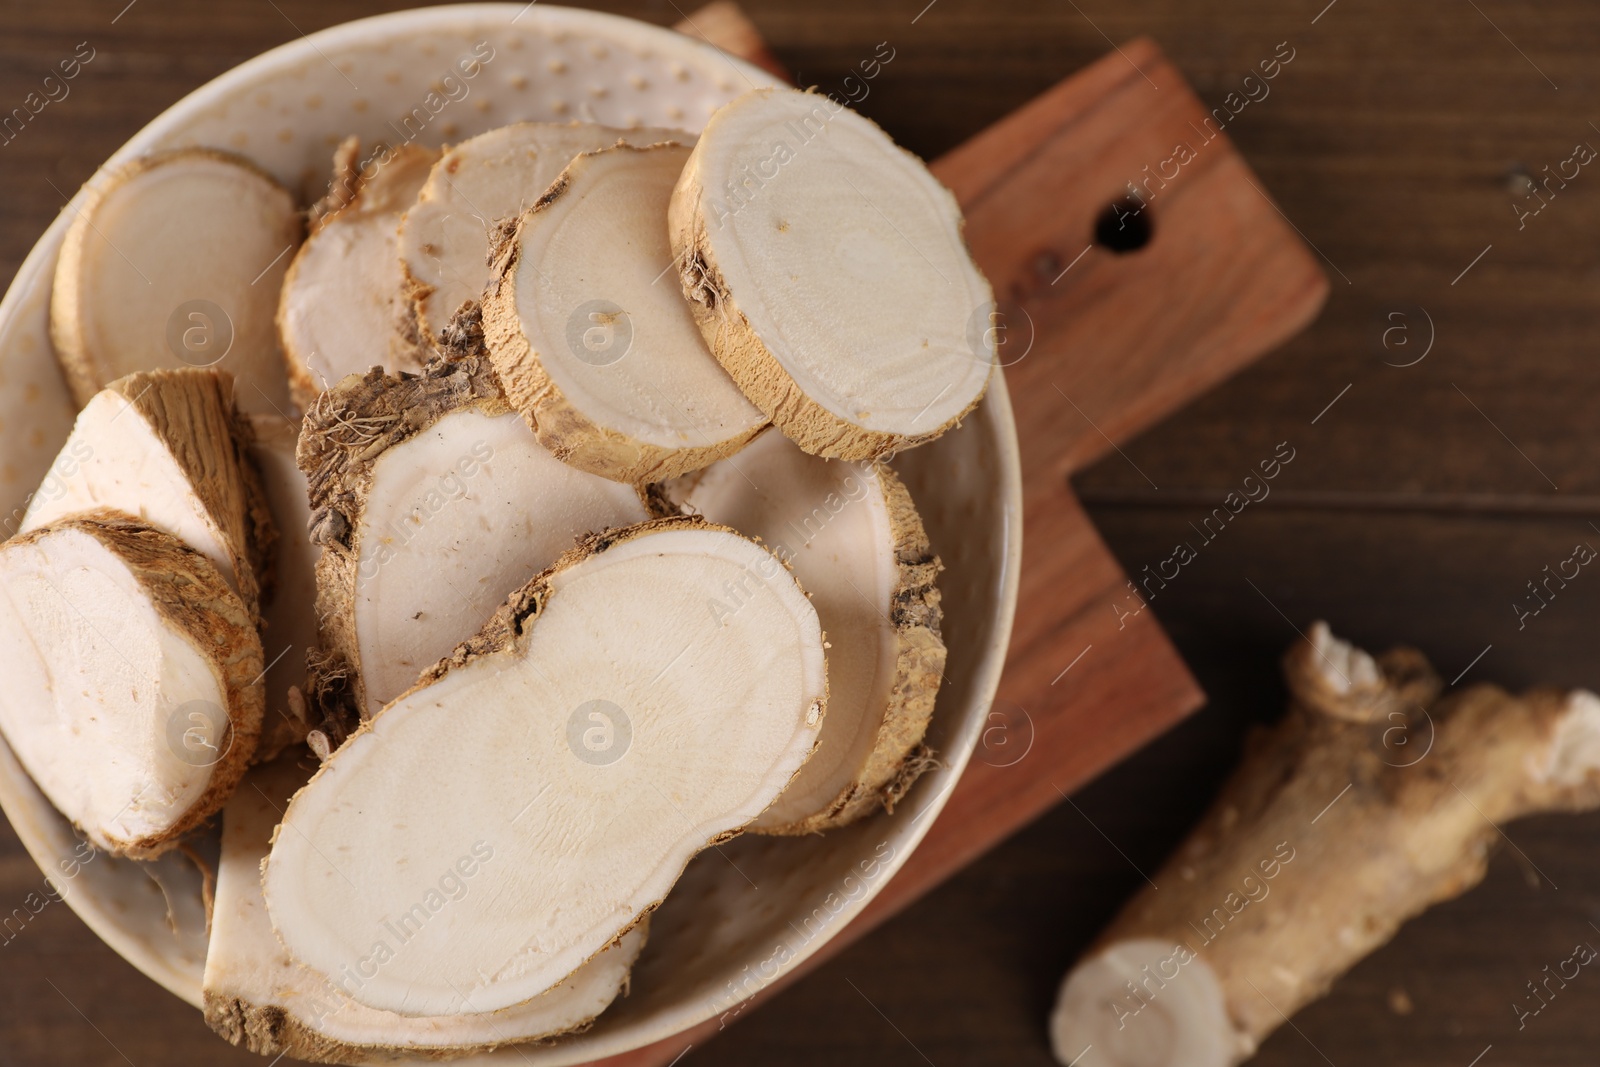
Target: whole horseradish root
{"points": [[1371, 801]]}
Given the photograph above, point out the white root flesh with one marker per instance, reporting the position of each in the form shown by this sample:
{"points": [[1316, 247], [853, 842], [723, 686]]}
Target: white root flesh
{"points": [[856, 544], [132, 693], [341, 308], [444, 240], [432, 502], [176, 260], [259, 998], [604, 727], [1373, 800], [827, 269], [595, 346], [289, 618], [169, 449]]}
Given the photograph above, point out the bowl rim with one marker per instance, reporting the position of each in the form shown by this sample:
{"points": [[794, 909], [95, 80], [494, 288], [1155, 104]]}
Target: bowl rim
{"points": [[37, 269]]}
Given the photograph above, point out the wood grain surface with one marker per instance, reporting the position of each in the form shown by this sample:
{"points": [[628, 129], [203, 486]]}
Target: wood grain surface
{"points": [[1415, 510]]}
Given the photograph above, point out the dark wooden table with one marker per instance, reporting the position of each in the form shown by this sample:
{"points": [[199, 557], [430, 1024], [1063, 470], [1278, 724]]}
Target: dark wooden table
{"points": [[1417, 506]]}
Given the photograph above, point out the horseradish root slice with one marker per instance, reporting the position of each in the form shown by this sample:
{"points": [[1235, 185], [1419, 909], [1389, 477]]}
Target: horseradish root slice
{"points": [[444, 241], [853, 538], [595, 346], [432, 502], [258, 997], [827, 269], [176, 260], [289, 617], [1371, 801], [132, 692], [340, 310], [645, 698], [168, 448]]}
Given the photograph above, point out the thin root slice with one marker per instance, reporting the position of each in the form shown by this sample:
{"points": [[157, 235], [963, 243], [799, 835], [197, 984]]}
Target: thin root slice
{"points": [[855, 542], [827, 269], [432, 502], [595, 346], [258, 997], [176, 260], [133, 693], [340, 311], [604, 727]]}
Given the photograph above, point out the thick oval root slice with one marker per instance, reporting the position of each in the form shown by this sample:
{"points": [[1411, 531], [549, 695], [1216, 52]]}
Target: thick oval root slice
{"points": [[132, 694], [594, 344], [168, 448], [176, 260], [856, 544], [827, 269], [258, 997], [444, 241], [432, 502], [340, 311], [645, 698]]}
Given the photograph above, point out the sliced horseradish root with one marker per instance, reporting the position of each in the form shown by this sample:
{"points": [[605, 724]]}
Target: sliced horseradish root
{"points": [[258, 997], [341, 307], [856, 544], [593, 343], [607, 724], [826, 266], [289, 617], [132, 693], [432, 502], [176, 260], [169, 449], [444, 240]]}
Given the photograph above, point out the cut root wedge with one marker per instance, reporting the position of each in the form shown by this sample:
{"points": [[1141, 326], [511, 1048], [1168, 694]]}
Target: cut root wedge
{"points": [[169, 449], [132, 694], [340, 311], [444, 241], [432, 502], [594, 344], [827, 269], [604, 727], [856, 544], [176, 260], [258, 997]]}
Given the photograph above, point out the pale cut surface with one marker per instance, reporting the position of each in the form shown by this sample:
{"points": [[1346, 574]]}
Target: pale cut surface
{"points": [[176, 260], [289, 618], [594, 345], [1183, 1022], [444, 241], [258, 997], [856, 544], [131, 691], [168, 448], [341, 307], [826, 266], [604, 727], [448, 504]]}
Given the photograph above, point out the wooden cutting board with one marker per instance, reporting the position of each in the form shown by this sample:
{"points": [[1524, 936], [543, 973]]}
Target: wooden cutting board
{"points": [[1114, 342]]}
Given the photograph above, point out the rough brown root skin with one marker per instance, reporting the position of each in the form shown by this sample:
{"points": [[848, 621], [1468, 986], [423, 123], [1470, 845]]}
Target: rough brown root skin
{"points": [[569, 434], [898, 756], [187, 591], [344, 433], [1367, 804]]}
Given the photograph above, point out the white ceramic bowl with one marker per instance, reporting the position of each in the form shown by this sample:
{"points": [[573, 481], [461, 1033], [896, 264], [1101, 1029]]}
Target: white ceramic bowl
{"points": [[758, 906]]}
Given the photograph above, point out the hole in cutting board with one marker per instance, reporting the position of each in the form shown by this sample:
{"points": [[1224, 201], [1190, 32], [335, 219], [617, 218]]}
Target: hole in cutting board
{"points": [[1124, 226]]}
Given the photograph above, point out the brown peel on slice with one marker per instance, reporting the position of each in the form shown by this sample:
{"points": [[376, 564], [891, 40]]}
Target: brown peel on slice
{"points": [[603, 728], [826, 267], [132, 695], [594, 344], [258, 997], [176, 260], [855, 542]]}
